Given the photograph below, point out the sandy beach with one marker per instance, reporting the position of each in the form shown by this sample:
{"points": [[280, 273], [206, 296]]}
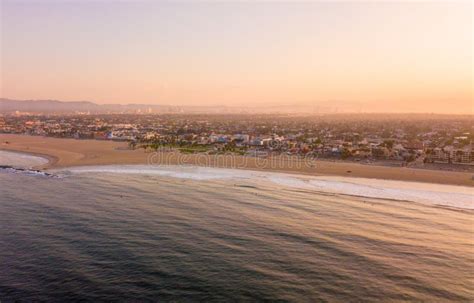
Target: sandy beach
{"points": [[71, 152]]}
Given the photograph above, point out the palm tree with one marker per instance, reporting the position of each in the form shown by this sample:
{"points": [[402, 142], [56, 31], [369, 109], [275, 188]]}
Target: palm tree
{"points": [[132, 144]]}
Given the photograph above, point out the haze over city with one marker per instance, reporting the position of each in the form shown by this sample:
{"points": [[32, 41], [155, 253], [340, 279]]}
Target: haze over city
{"points": [[351, 56], [236, 151]]}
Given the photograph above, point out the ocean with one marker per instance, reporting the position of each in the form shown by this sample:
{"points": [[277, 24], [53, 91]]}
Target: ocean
{"points": [[144, 233]]}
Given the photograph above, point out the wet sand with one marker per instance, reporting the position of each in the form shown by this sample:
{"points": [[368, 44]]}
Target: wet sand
{"points": [[71, 152]]}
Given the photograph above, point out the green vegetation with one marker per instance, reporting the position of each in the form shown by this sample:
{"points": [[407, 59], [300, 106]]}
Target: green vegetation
{"points": [[194, 149]]}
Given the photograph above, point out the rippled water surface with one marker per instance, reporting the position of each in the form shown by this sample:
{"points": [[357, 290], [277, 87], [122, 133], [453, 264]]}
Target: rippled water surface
{"points": [[109, 236]]}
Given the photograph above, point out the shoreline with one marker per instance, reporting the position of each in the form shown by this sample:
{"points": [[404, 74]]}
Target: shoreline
{"points": [[51, 159], [68, 152]]}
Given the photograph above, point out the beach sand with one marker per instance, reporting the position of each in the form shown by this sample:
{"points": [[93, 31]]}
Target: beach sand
{"points": [[71, 152]]}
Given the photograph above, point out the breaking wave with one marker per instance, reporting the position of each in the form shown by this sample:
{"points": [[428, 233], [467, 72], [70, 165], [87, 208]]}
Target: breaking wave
{"points": [[436, 194]]}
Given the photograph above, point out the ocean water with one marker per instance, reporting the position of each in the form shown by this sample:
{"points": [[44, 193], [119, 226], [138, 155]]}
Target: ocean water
{"points": [[20, 159], [134, 233]]}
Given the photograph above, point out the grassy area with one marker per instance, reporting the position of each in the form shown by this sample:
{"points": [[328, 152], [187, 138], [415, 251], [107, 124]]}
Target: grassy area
{"points": [[193, 149]]}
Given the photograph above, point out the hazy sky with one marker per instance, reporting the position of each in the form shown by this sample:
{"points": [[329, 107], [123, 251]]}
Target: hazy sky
{"points": [[375, 56]]}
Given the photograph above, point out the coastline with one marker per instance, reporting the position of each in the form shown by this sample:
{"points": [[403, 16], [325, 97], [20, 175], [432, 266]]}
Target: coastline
{"points": [[51, 159], [67, 152]]}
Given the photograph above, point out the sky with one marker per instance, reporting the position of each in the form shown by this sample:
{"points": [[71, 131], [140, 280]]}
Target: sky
{"points": [[383, 56]]}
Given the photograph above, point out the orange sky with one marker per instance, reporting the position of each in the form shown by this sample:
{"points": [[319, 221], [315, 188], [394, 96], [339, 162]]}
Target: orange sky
{"points": [[391, 57]]}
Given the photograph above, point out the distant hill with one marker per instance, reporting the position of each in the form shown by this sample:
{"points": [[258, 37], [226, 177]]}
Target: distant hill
{"points": [[55, 106], [71, 107], [8, 105], [63, 107]]}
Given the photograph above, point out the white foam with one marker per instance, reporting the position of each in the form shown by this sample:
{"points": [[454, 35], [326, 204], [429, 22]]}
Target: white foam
{"points": [[448, 195], [20, 160], [455, 196], [185, 172]]}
